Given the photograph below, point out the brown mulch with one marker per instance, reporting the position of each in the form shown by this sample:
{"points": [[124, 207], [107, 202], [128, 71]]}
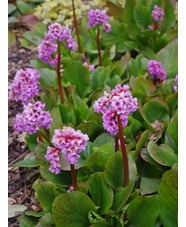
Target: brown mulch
{"points": [[20, 180]]}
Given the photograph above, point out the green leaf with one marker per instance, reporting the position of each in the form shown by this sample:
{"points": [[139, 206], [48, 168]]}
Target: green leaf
{"points": [[103, 138], [171, 135], [23, 7], [46, 220], [102, 194], [168, 56], [47, 77], [149, 185], [56, 123], [116, 178], [169, 17], [143, 211], [79, 76], [28, 221], [156, 109], [26, 163], [117, 36], [168, 198], [86, 153], [25, 43], [46, 192], [31, 141], [12, 20], [11, 39], [115, 10], [143, 140], [145, 86], [67, 211], [101, 224], [65, 114], [89, 127], [106, 149], [34, 214], [128, 11], [164, 155], [11, 8], [121, 197], [99, 77], [142, 16]]}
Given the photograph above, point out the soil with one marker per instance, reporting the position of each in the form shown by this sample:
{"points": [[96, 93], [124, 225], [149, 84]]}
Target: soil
{"points": [[20, 180]]}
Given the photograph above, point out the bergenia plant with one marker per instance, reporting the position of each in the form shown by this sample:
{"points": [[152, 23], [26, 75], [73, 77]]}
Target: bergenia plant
{"points": [[115, 108], [158, 17], [25, 85], [58, 36], [156, 71], [97, 18], [70, 143], [176, 87]]}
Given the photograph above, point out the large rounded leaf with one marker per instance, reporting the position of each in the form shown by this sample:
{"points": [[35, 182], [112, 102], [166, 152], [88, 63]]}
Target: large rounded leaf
{"points": [[102, 194], [143, 211], [142, 16], [79, 76], [114, 172], [71, 210], [156, 109], [163, 154], [168, 198]]}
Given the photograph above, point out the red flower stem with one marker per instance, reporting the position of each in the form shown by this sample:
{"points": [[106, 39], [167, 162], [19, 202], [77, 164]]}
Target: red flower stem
{"points": [[47, 133], [59, 75], [116, 144], [124, 153], [48, 140], [66, 92], [73, 175], [155, 80], [156, 25], [39, 136], [98, 45], [75, 23]]}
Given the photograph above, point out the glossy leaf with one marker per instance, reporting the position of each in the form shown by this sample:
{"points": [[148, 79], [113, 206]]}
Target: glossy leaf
{"points": [[163, 154], [149, 185], [168, 198], [26, 163], [156, 109], [103, 138], [46, 190], [142, 16], [79, 76], [69, 214], [99, 77], [143, 139], [121, 197], [102, 194], [143, 211], [28, 221]]}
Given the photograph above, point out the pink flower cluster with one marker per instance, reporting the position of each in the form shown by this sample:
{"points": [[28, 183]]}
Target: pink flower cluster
{"points": [[97, 17], [157, 14], [33, 118], [53, 155], [119, 102], [155, 68], [25, 85], [90, 67], [176, 87], [70, 143], [59, 33]]}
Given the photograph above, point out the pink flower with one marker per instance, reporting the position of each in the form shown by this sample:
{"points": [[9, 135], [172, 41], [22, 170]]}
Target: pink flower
{"points": [[119, 102], [158, 14], [98, 17], [56, 32], [70, 142], [33, 118], [176, 87], [90, 67], [53, 155], [155, 68], [25, 85]]}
